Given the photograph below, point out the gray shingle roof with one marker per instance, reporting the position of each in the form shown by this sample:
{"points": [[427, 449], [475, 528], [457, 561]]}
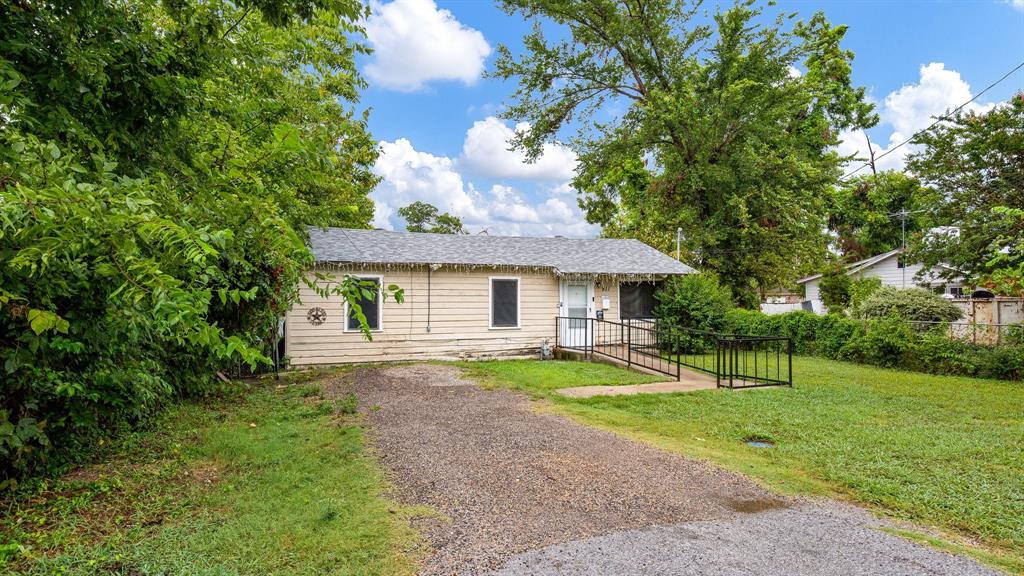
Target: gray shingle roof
{"points": [[562, 255]]}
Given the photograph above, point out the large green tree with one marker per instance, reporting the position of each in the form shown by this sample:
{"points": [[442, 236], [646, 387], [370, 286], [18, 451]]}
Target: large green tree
{"points": [[159, 163], [976, 162], [425, 217], [872, 214], [701, 122]]}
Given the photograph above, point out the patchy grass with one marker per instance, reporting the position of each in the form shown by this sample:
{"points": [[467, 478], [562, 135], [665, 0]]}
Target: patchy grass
{"points": [[275, 481], [943, 451]]}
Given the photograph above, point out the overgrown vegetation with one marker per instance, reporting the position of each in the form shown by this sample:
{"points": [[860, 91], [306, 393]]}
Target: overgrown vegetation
{"points": [[939, 450], [271, 481], [974, 159], [888, 341], [159, 164]]}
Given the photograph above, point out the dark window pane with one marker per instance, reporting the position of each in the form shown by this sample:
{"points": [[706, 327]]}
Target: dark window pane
{"points": [[504, 303], [371, 308], [636, 299]]}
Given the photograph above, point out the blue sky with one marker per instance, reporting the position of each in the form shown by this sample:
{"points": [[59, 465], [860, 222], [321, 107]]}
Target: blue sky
{"points": [[434, 113]]}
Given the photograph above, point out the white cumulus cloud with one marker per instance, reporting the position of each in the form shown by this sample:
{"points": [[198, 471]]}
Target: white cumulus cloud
{"points": [[910, 109], [415, 43], [1018, 4], [486, 151], [408, 175]]}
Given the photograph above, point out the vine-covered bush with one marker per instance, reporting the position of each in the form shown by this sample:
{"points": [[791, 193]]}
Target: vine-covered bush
{"points": [[860, 290], [911, 304], [887, 341]]}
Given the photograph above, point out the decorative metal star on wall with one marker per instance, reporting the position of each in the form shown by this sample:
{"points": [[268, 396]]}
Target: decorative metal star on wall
{"points": [[316, 316]]}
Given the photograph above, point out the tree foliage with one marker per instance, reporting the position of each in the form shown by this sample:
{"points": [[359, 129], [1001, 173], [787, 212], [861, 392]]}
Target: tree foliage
{"points": [[159, 162], [423, 217], [864, 213], [718, 134], [976, 162], [834, 287]]}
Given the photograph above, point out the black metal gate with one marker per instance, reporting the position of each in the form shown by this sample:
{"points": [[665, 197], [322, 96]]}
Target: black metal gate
{"points": [[734, 360]]}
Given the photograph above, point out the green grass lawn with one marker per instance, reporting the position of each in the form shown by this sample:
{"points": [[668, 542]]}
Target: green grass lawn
{"points": [[273, 481], [942, 451]]}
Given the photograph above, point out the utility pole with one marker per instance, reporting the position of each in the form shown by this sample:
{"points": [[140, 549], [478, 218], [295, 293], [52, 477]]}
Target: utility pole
{"points": [[679, 238], [903, 214]]}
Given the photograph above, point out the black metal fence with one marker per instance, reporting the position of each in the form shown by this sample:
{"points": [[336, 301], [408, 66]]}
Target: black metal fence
{"points": [[735, 361]]}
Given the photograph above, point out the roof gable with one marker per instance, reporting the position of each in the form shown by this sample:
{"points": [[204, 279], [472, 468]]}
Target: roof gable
{"points": [[854, 267], [567, 256]]}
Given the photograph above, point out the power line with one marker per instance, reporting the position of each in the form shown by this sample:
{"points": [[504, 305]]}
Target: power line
{"points": [[945, 116]]}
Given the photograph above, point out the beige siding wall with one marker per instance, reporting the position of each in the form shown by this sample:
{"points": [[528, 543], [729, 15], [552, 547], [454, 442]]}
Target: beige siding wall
{"points": [[459, 319]]}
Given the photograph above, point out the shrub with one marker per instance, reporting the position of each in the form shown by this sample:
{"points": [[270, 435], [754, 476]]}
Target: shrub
{"points": [[912, 304], [833, 332], [835, 288], [749, 322], [694, 301], [860, 290], [885, 342], [936, 353]]}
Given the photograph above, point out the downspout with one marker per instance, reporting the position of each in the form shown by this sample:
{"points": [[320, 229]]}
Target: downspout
{"points": [[429, 270]]}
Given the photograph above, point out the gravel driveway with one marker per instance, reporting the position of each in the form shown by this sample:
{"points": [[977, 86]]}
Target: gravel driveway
{"points": [[521, 492]]}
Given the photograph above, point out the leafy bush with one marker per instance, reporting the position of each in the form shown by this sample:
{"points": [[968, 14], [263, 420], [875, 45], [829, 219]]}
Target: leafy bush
{"points": [[886, 341], [834, 288], [694, 301], [911, 304], [833, 332], [860, 290]]}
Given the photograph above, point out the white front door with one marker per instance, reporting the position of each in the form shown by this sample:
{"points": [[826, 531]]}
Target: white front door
{"points": [[577, 306]]}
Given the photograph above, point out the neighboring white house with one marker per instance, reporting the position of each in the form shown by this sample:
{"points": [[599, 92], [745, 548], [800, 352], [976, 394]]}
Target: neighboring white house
{"points": [[892, 271]]}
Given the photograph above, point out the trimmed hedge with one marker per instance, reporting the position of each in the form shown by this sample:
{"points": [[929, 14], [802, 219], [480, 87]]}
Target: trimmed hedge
{"points": [[888, 342]]}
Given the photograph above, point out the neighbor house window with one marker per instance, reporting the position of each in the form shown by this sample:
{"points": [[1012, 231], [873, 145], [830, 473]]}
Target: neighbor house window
{"points": [[504, 302], [370, 307], [636, 299]]}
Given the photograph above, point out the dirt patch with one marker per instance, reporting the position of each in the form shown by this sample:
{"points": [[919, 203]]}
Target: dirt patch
{"points": [[506, 479], [202, 475], [85, 474], [755, 505]]}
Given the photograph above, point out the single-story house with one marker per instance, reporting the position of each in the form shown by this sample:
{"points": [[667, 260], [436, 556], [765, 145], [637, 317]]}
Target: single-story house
{"points": [[467, 296], [891, 269]]}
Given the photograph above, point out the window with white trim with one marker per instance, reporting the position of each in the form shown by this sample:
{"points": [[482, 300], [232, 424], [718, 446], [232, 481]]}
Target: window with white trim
{"points": [[504, 302], [370, 308]]}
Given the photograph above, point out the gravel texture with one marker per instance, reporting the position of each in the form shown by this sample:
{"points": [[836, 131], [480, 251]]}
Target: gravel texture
{"points": [[807, 540], [524, 492], [511, 480]]}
